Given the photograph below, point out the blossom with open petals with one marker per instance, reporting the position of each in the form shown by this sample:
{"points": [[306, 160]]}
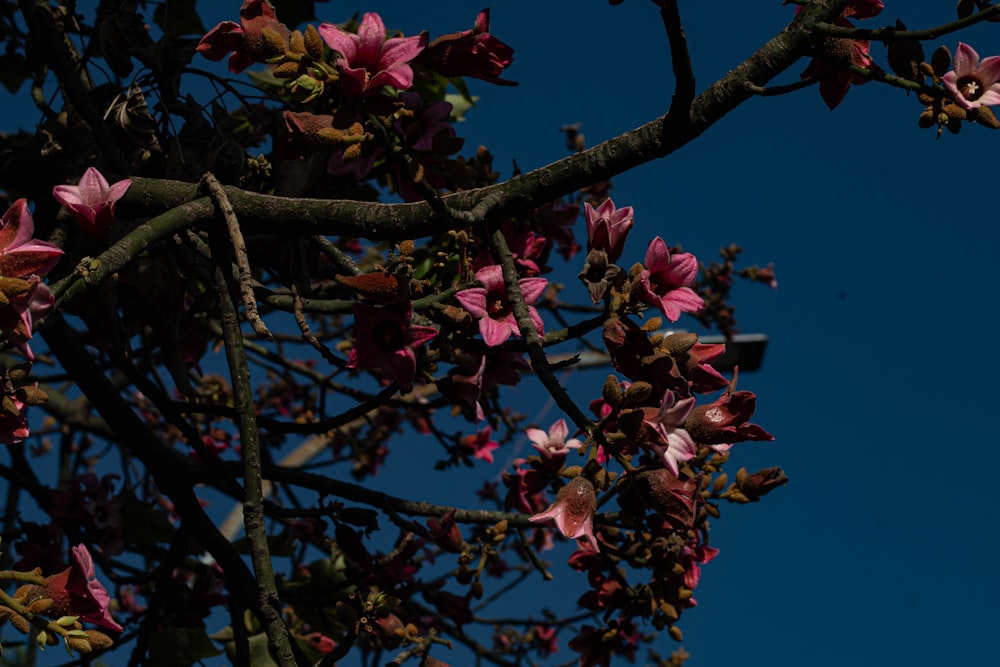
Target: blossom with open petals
{"points": [[92, 201], [77, 592], [490, 305], [474, 53], [481, 444], [666, 280], [22, 260], [725, 421], [973, 82], [247, 41], [573, 511], [385, 339], [607, 227], [554, 442], [368, 60], [835, 79], [672, 443]]}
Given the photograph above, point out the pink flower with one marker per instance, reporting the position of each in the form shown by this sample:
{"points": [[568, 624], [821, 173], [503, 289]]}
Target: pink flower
{"points": [[474, 53], [836, 80], [22, 260], [489, 303], [666, 278], [573, 511], [368, 60], [554, 442], [21, 255], [607, 227], [973, 83], [92, 202], [246, 40], [465, 390], [481, 444], [673, 444], [385, 338], [723, 422], [77, 592]]}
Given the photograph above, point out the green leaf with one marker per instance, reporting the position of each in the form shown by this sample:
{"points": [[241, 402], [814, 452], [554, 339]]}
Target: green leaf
{"points": [[460, 106], [178, 17], [180, 647]]}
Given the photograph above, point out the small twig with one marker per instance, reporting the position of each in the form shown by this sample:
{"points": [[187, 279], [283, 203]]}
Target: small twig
{"points": [[888, 35], [253, 500], [532, 556], [680, 61], [536, 354], [307, 333], [210, 185]]}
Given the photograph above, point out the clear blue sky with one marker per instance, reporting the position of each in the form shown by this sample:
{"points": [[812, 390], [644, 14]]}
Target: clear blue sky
{"points": [[883, 331]]}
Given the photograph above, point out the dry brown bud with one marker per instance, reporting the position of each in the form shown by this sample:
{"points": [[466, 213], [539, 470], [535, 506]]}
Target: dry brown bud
{"points": [[99, 640], [41, 605], [297, 43], [80, 644], [286, 70], [273, 43], [612, 391], [19, 622], [985, 116], [313, 42]]}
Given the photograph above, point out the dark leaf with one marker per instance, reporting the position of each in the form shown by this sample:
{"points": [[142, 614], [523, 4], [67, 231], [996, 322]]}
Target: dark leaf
{"points": [[905, 56], [294, 12], [965, 7], [178, 18], [941, 60], [13, 71]]}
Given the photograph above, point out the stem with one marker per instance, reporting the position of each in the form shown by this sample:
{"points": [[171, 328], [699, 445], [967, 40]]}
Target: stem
{"points": [[253, 498]]}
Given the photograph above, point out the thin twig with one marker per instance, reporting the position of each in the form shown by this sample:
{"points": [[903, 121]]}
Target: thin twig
{"points": [[210, 185], [253, 495], [680, 61], [888, 35]]}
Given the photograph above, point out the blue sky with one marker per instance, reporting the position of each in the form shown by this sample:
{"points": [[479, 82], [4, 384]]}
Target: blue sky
{"points": [[883, 331]]}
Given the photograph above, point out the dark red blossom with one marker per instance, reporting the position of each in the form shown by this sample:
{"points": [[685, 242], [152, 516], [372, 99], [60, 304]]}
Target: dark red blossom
{"points": [[474, 53]]}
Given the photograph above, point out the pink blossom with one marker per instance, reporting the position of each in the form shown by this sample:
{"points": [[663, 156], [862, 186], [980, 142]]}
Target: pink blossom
{"points": [[673, 444], [490, 305], [835, 79], [21, 255], [573, 511], [77, 592], [481, 444], [666, 280], [368, 60], [244, 40], [92, 201], [554, 442], [22, 260], [724, 422], [474, 53], [385, 338], [607, 227], [463, 388], [972, 82]]}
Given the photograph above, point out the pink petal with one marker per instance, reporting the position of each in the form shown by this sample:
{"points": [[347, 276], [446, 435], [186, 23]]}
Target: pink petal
{"points": [[67, 195], [494, 333], [966, 60], [342, 42], [473, 300], [491, 277], [532, 288], [93, 187]]}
